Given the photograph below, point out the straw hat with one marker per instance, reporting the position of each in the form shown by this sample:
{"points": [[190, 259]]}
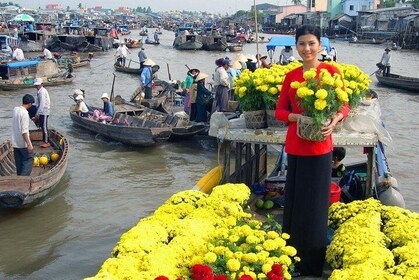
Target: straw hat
{"points": [[37, 82], [149, 62], [78, 92], [105, 95], [201, 76], [323, 52], [236, 65], [251, 57], [241, 58]]}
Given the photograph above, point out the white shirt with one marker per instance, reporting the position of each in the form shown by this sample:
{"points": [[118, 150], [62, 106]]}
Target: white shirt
{"points": [[82, 107], [20, 125], [122, 50], [386, 59], [286, 55], [18, 54], [43, 102], [221, 77], [47, 54]]}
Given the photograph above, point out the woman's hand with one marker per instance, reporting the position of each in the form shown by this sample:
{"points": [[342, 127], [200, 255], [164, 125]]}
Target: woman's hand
{"points": [[328, 129], [292, 117]]}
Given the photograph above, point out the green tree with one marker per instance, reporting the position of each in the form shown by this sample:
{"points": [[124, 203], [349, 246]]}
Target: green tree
{"points": [[388, 3], [68, 8], [80, 6], [148, 10]]}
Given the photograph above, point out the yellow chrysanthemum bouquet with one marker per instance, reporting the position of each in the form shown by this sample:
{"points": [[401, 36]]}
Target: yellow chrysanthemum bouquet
{"points": [[259, 90], [321, 97], [356, 82]]}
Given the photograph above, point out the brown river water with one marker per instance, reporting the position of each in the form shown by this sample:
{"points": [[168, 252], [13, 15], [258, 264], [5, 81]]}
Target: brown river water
{"points": [[108, 187]]}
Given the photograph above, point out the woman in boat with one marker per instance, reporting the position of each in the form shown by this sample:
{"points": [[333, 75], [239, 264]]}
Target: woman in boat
{"points": [[82, 109], [108, 110], [202, 96], [147, 78], [187, 84], [309, 163], [386, 61]]}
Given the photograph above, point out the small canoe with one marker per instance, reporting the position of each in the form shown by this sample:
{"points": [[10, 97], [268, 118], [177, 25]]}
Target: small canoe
{"points": [[53, 81], [180, 133], [398, 81], [152, 43], [143, 130], [125, 69], [23, 191]]}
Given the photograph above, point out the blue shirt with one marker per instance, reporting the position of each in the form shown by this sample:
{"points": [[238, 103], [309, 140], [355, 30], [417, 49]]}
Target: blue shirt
{"points": [[108, 108], [146, 76]]}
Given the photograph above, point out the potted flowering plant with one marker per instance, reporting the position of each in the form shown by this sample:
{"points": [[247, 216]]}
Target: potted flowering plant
{"points": [[321, 97], [259, 90]]}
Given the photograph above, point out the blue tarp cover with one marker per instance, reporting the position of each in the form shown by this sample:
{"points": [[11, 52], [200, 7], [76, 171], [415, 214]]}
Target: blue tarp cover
{"points": [[289, 40], [25, 63]]}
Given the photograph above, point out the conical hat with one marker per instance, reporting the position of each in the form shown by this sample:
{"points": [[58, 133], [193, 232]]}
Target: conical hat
{"points": [[201, 76], [236, 65], [149, 62], [241, 58]]}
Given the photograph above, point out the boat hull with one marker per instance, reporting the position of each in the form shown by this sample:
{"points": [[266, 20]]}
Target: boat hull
{"points": [[56, 81], [397, 81], [25, 191]]}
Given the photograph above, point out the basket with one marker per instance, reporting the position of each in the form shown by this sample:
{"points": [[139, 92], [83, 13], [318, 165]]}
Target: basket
{"points": [[307, 130], [255, 119], [272, 121]]}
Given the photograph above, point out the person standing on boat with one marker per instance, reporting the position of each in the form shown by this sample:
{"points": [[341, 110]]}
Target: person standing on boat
{"points": [[142, 57], [202, 96], [122, 53], [386, 61], [285, 55], [156, 37], [147, 78], [21, 142], [222, 84], [187, 84], [42, 113], [18, 54], [309, 163]]}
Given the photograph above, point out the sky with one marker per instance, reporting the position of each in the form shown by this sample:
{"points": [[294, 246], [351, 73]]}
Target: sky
{"points": [[212, 6]]}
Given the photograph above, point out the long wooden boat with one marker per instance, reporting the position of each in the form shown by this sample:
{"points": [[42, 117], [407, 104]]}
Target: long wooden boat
{"points": [[368, 41], [152, 43], [125, 69], [53, 81], [398, 81], [23, 191], [188, 42], [214, 43], [141, 130]]}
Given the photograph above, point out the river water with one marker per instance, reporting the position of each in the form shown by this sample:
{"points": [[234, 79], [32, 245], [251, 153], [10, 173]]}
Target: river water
{"points": [[108, 187]]}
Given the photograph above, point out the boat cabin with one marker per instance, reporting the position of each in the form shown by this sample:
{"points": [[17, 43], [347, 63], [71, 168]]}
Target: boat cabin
{"points": [[27, 70], [6, 44]]}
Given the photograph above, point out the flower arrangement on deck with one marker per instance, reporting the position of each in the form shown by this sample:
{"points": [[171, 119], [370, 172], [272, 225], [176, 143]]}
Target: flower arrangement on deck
{"points": [[259, 90], [209, 233], [373, 241]]}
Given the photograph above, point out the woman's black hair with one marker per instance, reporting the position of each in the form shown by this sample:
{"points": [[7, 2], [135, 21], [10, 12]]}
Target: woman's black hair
{"points": [[308, 30], [339, 153]]}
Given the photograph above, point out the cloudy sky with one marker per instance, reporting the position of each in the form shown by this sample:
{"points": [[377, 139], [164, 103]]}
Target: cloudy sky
{"points": [[217, 6]]}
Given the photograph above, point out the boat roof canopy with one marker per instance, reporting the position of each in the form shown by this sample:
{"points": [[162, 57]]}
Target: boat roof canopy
{"points": [[26, 63], [289, 40]]}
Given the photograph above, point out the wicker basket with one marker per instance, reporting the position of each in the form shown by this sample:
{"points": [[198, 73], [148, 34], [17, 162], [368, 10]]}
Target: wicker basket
{"points": [[307, 130], [255, 119], [272, 121]]}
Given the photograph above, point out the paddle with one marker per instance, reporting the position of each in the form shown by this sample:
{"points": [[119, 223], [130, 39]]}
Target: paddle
{"points": [[112, 90], [168, 72], [374, 72]]}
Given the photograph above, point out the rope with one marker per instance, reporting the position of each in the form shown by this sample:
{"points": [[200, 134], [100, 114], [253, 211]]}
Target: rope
{"points": [[102, 64]]}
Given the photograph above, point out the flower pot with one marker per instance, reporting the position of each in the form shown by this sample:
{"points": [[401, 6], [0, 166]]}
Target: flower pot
{"points": [[307, 130], [272, 121], [255, 119]]}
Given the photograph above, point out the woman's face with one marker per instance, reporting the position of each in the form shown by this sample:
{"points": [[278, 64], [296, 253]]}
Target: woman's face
{"points": [[308, 46]]}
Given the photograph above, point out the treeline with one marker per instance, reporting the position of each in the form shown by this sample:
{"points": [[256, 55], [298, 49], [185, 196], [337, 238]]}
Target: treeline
{"points": [[143, 10], [4, 4]]}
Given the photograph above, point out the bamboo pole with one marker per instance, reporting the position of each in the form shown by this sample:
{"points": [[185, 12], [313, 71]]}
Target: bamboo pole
{"points": [[256, 30]]}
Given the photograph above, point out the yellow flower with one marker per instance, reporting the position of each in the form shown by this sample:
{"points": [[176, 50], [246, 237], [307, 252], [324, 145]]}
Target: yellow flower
{"points": [[295, 84], [242, 90], [320, 104], [233, 265], [310, 74], [321, 93], [273, 90], [210, 257]]}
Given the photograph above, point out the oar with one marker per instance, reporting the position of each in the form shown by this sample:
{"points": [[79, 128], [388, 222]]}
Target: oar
{"points": [[374, 72], [168, 72], [187, 67], [113, 85]]}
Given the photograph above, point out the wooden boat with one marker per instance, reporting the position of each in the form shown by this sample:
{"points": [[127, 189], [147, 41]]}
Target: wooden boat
{"points": [[143, 33], [398, 81], [188, 42], [28, 83], [137, 44], [142, 130], [152, 43], [22, 191], [127, 69], [368, 41], [180, 133], [214, 43], [235, 47]]}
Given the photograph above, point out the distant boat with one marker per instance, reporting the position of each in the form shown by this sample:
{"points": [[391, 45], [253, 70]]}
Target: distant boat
{"points": [[398, 81], [214, 43], [188, 42], [23, 191], [368, 41]]}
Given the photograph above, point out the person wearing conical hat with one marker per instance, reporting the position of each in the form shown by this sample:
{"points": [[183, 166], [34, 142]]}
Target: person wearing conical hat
{"points": [[241, 58], [386, 61], [187, 84], [147, 78], [202, 97]]}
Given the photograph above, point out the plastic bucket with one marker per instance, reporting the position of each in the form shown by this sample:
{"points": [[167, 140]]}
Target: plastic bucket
{"points": [[334, 193]]}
